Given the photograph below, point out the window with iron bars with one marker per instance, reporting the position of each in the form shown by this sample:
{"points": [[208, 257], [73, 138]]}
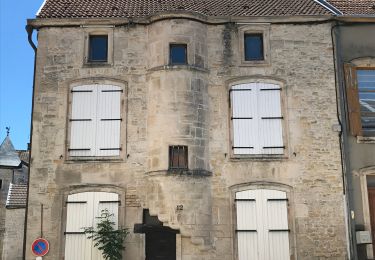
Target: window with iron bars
{"points": [[178, 157]]}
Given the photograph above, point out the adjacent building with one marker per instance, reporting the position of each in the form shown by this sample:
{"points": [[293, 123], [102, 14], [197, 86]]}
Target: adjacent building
{"points": [[354, 41], [208, 128], [13, 192]]}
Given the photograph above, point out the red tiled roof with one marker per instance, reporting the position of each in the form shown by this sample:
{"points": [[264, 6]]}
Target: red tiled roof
{"points": [[355, 7], [144, 8], [17, 196]]}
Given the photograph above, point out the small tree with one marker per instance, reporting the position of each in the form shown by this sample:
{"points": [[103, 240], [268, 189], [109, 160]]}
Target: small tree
{"points": [[108, 240]]}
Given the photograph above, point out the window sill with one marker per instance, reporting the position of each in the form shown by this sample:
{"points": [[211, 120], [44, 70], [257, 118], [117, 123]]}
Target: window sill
{"points": [[96, 64], [182, 172], [94, 159], [254, 63], [258, 157], [179, 67], [366, 139]]}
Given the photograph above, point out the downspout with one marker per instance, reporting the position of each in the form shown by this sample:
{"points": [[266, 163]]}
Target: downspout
{"points": [[29, 30], [341, 115]]}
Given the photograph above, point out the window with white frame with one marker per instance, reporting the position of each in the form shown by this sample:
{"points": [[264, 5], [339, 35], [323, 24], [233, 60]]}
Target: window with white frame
{"points": [[262, 225], [82, 211], [95, 120], [256, 119]]}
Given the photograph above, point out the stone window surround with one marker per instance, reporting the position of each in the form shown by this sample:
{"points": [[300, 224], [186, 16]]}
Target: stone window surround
{"points": [[283, 99], [97, 30], [363, 173], [364, 62], [271, 186], [74, 189], [263, 29], [123, 130]]}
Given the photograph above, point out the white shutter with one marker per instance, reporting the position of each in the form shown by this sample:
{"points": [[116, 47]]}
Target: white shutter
{"points": [[270, 119], [266, 212], [277, 222], [109, 201], [108, 120], [80, 214], [244, 108], [247, 233], [82, 121], [82, 211]]}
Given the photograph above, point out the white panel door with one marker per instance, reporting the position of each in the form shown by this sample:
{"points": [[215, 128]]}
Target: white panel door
{"points": [[82, 211], [270, 119], [80, 214], [83, 121], [262, 225], [108, 120]]}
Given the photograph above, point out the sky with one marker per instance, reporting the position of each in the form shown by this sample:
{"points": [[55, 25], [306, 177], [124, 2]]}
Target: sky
{"points": [[16, 70]]}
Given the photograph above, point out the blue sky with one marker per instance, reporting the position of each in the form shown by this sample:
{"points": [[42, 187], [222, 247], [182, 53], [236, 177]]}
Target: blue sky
{"points": [[16, 69]]}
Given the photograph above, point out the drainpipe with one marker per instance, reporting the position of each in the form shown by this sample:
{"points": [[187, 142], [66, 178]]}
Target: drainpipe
{"points": [[29, 30]]}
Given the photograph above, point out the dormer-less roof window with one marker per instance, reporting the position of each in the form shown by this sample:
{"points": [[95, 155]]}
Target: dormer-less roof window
{"points": [[98, 48]]}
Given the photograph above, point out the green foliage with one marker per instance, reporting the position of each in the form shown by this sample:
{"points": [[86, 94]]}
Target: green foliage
{"points": [[108, 240]]}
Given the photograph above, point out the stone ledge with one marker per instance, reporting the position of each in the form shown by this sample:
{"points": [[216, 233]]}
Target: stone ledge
{"points": [[192, 173]]}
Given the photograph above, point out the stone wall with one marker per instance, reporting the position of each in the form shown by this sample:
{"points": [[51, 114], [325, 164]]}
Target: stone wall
{"points": [[14, 234], [189, 105]]}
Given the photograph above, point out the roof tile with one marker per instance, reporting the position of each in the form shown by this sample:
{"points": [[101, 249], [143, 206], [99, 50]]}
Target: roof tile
{"points": [[355, 7], [144, 8]]}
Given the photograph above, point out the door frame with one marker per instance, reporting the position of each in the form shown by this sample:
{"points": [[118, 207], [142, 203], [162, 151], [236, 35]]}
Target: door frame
{"points": [[363, 173]]}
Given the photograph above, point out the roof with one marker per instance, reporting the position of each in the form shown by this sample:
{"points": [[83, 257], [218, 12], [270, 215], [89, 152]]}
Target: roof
{"points": [[8, 155], [17, 196], [355, 7], [144, 8], [24, 155]]}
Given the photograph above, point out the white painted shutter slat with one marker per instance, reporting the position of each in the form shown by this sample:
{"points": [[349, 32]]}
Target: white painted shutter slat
{"points": [[270, 123], [82, 134], [77, 246], [108, 120], [243, 108]]}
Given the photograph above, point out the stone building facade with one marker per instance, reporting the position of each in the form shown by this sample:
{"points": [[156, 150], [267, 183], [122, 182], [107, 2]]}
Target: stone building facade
{"points": [[191, 105]]}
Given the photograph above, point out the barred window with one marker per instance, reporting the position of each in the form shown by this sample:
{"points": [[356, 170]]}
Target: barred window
{"points": [[178, 157]]}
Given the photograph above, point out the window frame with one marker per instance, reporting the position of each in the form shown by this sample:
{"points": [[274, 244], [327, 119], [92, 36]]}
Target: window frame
{"points": [[90, 53], [123, 123], [185, 45], [284, 121], [262, 29], [98, 31], [180, 148], [352, 102], [265, 186], [262, 45]]}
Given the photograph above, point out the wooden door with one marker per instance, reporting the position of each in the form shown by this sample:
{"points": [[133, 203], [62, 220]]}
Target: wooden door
{"points": [[160, 245], [371, 201]]}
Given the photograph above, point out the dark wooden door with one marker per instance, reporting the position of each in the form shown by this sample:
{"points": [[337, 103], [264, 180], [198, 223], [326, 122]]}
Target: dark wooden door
{"points": [[371, 200], [160, 245]]}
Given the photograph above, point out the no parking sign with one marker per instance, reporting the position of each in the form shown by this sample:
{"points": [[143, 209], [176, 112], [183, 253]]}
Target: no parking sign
{"points": [[40, 247]]}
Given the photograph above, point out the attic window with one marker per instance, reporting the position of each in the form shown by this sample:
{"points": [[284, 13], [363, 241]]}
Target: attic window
{"points": [[178, 157], [98, 48], [253, 47]]}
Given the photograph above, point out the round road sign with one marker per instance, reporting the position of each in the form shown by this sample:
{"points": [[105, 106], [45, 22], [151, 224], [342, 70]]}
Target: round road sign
{"points": [[40, 247]]}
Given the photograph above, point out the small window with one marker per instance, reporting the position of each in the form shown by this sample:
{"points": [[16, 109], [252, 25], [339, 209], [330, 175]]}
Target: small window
{"points": [[98, 48], [360, 87], [1, 184], [178, 157], [253, 47], [178, 54]]}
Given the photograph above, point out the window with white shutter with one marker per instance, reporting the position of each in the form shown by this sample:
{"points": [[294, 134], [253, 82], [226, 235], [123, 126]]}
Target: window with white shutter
{"points": [[256, 119], [262, 225], [95, 121], [82, 210]]}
